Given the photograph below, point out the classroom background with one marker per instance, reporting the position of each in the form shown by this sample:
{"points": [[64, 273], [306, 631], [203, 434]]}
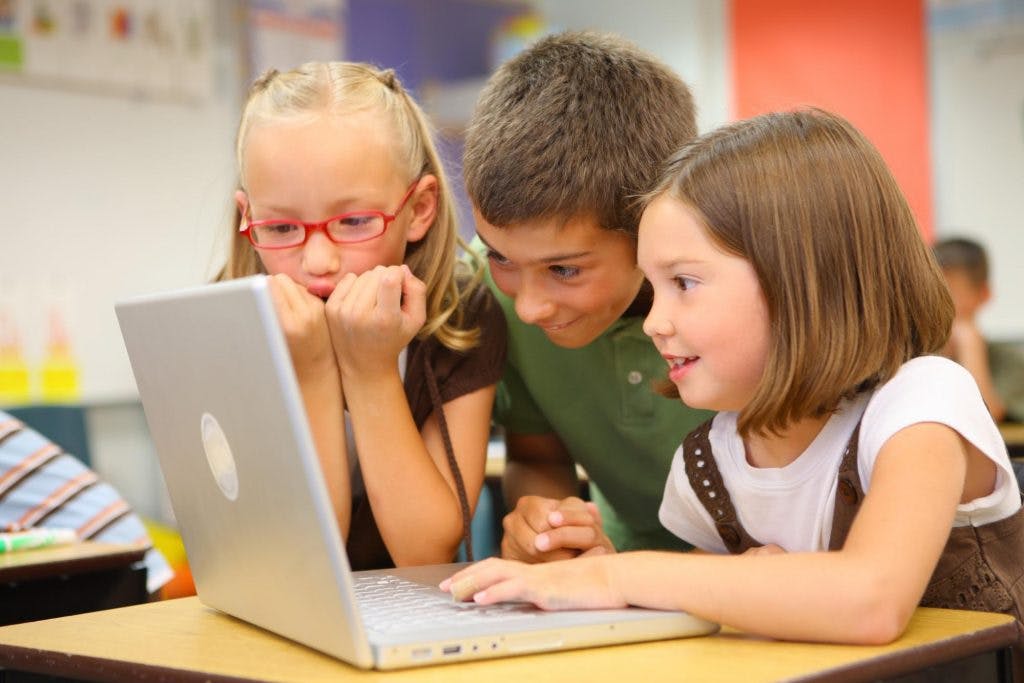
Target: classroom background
{"points": [[117, 121]]}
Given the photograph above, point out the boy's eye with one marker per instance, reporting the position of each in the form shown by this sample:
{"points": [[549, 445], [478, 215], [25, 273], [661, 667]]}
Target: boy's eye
{"points": [[565, 272], [497, 258]]}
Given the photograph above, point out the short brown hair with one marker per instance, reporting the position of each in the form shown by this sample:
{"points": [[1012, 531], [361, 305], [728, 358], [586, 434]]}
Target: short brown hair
{"points": [[852, 291], [960, 253], [579, 124]]}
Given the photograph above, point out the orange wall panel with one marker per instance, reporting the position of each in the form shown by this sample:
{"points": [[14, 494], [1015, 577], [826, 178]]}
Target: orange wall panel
{"points": [[863, 59]]}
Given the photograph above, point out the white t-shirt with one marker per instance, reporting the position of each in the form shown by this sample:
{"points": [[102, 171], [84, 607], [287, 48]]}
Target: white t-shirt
{"points": [[792, 506]]}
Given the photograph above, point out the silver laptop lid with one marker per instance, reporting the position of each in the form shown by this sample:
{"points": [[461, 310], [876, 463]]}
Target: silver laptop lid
{"points": [[224, 410]]}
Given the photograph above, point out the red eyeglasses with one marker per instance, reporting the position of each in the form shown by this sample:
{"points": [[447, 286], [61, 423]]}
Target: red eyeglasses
{"points": [[346, 228]]}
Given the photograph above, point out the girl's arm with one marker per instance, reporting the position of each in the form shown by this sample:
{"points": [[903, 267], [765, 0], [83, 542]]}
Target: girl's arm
{"points": [[304, 323], [411, 491], [864, 593], [408, 479]]}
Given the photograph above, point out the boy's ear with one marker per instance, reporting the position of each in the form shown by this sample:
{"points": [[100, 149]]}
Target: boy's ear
{"points": [[984, 293], [423, 205]]}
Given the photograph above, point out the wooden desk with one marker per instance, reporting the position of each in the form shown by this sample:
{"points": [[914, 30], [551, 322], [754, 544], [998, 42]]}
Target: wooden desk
{"points": [[183, 640], [1013, 435], [70, 579]]}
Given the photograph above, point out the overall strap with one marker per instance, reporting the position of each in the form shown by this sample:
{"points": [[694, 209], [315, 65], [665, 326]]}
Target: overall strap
{"points": [[706, 481], [460, 486], [849, 494]]}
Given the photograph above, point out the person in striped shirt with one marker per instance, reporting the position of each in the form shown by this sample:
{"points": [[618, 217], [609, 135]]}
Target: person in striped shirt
{"points": [[42, 486]]}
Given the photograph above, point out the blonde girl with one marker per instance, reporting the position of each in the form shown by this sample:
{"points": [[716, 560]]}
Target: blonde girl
{"points": [[344, 204], [793, 292]]}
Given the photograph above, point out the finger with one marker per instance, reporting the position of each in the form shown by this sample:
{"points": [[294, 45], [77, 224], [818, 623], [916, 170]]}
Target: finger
{"points": [[519, 543], [595, 512], [569, 537], [389, 290], [534, 511], [478, 581], [363, 293], [571, 512], [414, 293], [466, 572], [514, 588], [281, 292], [341, 291]]}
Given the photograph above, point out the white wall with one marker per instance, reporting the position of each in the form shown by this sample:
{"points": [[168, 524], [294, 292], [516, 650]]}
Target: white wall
{"points": [[978, 155], [691, 36], [104, 196]]}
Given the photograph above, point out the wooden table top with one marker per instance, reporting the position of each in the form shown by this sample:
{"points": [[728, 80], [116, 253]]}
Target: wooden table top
{"points": [[184, 640]]}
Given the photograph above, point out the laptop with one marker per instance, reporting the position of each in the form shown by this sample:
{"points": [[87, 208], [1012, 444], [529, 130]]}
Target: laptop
{"points": [[227, 419]]}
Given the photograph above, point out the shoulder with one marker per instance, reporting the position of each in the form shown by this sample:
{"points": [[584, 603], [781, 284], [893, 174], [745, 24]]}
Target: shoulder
{"points": [[926, 384], [480, 308], [930, 389]]}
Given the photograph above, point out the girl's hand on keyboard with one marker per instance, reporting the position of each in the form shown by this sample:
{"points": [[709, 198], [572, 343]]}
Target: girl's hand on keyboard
{"points": [[583, 583]]}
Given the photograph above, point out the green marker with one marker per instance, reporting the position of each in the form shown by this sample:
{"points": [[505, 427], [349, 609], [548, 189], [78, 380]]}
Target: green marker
{"points": [[36, 538]]}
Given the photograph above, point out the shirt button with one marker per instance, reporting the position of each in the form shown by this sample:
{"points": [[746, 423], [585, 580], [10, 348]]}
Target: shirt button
{"points": [[634, 377]]}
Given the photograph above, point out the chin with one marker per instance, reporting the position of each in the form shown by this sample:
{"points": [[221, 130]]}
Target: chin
{"points": [[569, 341]]}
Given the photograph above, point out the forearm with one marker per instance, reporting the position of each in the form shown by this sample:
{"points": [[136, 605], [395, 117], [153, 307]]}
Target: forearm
{"points": [[827, 597], [521, 477], [324, 403], [971, 351], [417, 512]]}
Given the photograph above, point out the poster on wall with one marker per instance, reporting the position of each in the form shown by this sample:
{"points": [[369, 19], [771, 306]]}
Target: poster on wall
{"points": [[285, 33], [159, 49]]}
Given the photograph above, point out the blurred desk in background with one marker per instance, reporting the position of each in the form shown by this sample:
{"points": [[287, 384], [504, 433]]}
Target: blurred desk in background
{"points": [[1013, 435], [70, 579]]}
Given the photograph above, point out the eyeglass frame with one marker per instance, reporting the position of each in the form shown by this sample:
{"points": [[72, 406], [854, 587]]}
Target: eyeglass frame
{"points": [[310, 227]]}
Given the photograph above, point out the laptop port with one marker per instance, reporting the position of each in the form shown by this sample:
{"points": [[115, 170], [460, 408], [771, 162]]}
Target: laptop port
{"points": [[452, 649]]}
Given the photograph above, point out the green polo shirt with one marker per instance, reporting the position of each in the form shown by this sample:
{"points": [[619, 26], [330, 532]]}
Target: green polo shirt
{"points": [[598, 399]]}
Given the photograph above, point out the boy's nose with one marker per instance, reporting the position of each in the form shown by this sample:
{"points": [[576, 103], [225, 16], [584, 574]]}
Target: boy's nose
{"points": [[533, 306]]}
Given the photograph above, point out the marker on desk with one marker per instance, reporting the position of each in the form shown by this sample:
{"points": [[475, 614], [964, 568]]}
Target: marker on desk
{"points": [[36, 538]]}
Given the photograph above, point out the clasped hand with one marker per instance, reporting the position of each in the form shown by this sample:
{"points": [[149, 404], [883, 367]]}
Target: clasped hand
{"points": [[373, 316], [362, 327], [544, 529]]}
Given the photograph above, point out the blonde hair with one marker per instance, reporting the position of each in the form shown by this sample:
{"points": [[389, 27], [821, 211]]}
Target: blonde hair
{"points": [[852, 291], [341, 88]]}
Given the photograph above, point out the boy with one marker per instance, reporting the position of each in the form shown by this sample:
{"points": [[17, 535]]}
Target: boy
{"points": [[997, 368], [564, 137]]}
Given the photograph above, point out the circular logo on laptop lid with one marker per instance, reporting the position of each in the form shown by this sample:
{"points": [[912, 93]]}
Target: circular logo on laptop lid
{"points": [[219, 457]]}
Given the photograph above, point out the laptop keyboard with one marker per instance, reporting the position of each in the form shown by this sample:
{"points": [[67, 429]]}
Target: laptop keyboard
{"points": [[390, 604]]}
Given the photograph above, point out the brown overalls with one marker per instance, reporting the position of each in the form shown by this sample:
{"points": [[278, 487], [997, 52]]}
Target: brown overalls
{"points": [[981, 568]]}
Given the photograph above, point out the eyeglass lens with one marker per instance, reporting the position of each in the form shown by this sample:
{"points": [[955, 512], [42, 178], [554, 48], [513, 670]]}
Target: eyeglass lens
{"points": [[350, 228]]}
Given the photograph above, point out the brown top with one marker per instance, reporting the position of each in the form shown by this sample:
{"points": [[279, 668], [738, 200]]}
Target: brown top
{"points": [[455, 374]]}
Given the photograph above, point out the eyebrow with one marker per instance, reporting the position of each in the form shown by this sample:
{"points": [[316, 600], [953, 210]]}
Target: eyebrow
{"points": [[547, 259], [675, 263]]}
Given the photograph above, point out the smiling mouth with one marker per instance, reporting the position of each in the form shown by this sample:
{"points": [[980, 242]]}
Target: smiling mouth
{"points": [[556, 327], [678, 366]]}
